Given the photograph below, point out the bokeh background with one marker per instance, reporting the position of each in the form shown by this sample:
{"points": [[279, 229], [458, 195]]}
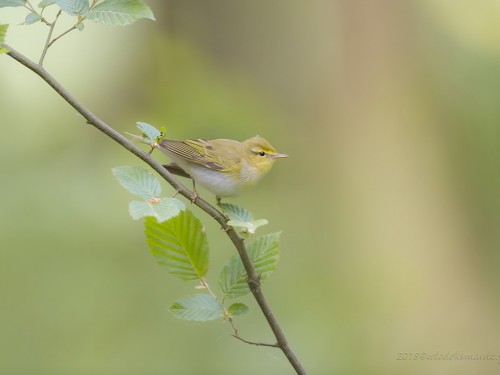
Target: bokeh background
{"points": [[389, 203]]}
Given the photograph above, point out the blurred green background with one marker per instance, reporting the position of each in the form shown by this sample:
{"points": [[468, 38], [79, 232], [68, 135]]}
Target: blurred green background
{"points": [[389, 203]]}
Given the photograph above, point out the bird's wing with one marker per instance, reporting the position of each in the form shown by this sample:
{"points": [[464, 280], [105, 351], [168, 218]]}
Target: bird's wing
{"points": [[201, 152]]}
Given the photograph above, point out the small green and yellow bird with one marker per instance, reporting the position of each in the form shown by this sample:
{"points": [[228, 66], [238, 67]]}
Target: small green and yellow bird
{"points": [[223, 166]]}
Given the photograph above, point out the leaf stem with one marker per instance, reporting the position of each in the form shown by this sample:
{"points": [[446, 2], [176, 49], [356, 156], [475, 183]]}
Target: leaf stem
{"points": [[253, 277], [30, 7]]}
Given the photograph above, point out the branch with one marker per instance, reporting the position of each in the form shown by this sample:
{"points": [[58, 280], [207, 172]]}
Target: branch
{"points": [[253, 277]]}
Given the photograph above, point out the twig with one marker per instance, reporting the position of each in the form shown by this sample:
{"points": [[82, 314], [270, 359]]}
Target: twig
{"points": [[253, 277], [237, 336], [256, 343], [61, 35], [48, 43]]}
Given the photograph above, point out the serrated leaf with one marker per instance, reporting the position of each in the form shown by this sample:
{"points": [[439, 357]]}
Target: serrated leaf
{"points": [[12, 3], [138, 181], [236, 213], [264, 254], [180, 244], [198, 307], [74, 7], [162, 209], [120, 12], [31, 18], [149, 130], [238, 309], [46, 3]]}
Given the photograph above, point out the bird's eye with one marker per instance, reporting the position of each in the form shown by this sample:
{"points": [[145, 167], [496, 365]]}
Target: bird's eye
{"points": [[262, 153]]}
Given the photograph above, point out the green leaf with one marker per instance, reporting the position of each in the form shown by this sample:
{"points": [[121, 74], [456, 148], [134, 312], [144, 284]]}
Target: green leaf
{"points": [[199, 307], [236, 213], [248, 226], [138, 181], [241, 218], [120, 12], [264, 254], [31, 18], [3, 32], [12, 3], [238, 309], [46, 3], [74, 7], [161, 208], [149, 130], [180, 244]]}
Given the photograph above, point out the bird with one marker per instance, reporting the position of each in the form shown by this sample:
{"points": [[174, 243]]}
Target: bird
{"points": [[224, 167]]}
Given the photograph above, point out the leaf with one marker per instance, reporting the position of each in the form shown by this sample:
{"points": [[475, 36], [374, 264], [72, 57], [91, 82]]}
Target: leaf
{"points": [[238, 309], [199, 307], [74, 7], [180, 244], [236, 213], [80, 26], [161, 208], [241, 218], [149, 130], [248, 226], [264, 254], [46, 3], [120, 12], [138, 181], [12, 3], [31, 18], [3, 32]]}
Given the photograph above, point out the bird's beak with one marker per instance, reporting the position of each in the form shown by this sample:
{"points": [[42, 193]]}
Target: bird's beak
{"points": [[279, 156]]}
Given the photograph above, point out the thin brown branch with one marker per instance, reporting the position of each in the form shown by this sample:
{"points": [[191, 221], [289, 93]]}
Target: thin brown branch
{"points": [[253, 277]]}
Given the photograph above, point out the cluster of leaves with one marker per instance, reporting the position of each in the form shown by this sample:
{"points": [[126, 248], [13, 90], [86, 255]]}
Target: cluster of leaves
{"points": [[110, 12], [178, 241]]}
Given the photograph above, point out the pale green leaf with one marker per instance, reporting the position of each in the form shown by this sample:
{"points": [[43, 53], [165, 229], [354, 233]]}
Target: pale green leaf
{"points": [[248, 226], [46, 3], [161, 208], [120, 12], [138, 181], [237, 309], [241, 218], [31, 18], [180, 244], [3, 33], [264, 254], [236, 213], [198, 307], [149, 130], [12, 3], [74, 7]]}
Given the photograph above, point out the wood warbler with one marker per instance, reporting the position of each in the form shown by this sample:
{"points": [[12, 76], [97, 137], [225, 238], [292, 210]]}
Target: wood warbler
{"points": [[223, 166]]}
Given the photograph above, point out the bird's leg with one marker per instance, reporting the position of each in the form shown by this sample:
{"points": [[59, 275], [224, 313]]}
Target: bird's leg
{"points": [[218, 200], [195, 192]]}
